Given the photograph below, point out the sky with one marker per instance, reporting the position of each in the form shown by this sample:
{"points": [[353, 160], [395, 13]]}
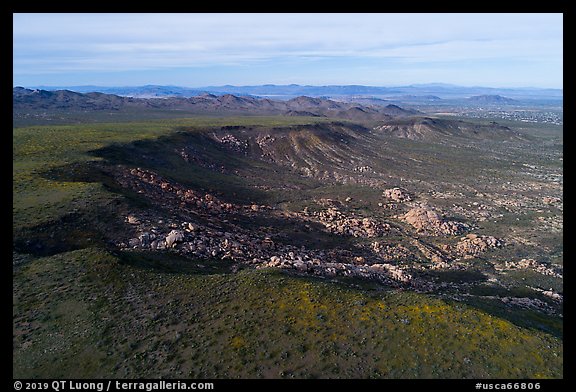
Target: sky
{"points": [[196, 50]]}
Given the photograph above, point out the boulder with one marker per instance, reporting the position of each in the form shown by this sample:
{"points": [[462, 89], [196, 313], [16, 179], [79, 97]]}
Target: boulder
{"points": [[427, 220], [422, 218], [173, 237], [134, 242], [397, 194], [144, 239], [132, 220]]}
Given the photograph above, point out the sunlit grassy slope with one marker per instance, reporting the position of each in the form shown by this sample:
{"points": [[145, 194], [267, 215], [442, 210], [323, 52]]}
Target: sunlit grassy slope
{"points": [[93, 312], [88, 313]]}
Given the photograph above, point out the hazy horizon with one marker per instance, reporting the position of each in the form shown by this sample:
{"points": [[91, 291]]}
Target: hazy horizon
{"points": [[292, 84]]}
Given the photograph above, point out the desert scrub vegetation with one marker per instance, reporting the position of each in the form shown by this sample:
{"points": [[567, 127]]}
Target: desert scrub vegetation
{"points": [[91, 310], [176, 323]]}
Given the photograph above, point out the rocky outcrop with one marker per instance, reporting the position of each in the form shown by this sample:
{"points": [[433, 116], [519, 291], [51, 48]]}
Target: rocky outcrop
{"points": [[337, 222], [387, 273], [551, 294], [396, 194], [527, 303], [541, 268], [425, 220], [200, 225], [395, 272], [248, 247], [473, 245], [231, 142], [171, 194]]}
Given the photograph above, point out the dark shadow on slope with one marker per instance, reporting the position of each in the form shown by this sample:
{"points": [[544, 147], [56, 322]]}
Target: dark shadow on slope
{"points": [[167, 262], [521, 317], [71, 232], [212, 169], [192, 159]]}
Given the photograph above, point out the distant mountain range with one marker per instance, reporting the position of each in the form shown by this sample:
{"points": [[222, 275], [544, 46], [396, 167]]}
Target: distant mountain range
{"points": [[491, 99], [61, 105], [28, 100], [416, 92]]}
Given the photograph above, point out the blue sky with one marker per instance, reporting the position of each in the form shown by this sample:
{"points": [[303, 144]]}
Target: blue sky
{"points": [[194, 50]]}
